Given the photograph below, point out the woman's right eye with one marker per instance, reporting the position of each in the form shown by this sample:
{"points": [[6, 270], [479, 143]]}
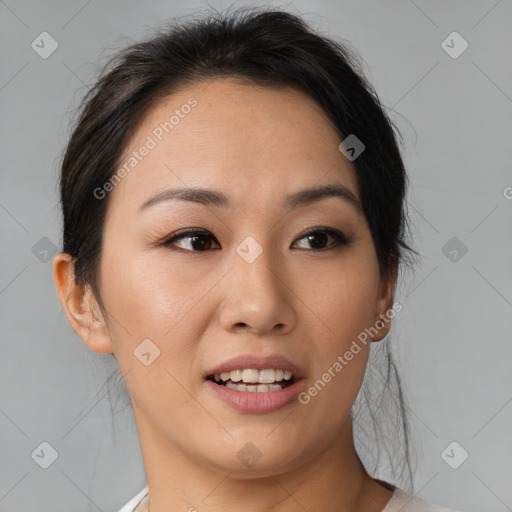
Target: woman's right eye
{"points": [[200, 241]]}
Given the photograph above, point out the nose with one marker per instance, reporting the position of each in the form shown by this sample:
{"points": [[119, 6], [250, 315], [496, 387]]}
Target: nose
{"points": [[257, 297]]}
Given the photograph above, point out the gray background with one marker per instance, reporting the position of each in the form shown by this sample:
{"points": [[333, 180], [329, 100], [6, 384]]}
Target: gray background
{"points": [[452, 337]]}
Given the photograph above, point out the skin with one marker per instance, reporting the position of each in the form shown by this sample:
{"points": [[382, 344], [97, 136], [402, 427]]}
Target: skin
{"points": [[200, 308]]}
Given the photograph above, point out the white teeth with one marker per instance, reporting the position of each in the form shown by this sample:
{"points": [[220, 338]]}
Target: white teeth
{"points": [[250, 375], [260, 388], [237, 387], [235, 375], [266, 376], [253, 376]]}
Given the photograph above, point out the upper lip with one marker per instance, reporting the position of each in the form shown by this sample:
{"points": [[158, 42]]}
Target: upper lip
{"points": [[258, 363]]}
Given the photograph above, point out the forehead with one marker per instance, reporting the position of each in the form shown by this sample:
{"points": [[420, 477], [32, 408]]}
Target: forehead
{"points": [[249, 140]]}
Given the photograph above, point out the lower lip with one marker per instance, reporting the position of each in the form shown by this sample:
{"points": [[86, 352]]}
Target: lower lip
{"points": [[264, 402]]}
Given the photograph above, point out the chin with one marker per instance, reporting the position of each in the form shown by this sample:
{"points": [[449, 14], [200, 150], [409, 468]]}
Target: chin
{"points": [[256, 456]]}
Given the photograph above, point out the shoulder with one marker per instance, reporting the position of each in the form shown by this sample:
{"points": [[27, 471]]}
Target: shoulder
{"points": [[138, 503], [405, 502]]}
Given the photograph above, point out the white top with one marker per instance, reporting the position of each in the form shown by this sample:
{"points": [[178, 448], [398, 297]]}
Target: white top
{"points": [[400, 502]]}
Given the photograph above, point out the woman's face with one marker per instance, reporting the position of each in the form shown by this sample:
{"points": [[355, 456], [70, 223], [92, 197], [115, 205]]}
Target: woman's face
{"points": [[251, 284]]}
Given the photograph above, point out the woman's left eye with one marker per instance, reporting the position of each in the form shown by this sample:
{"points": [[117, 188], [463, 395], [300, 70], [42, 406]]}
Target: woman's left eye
{"points": [[201, 241], [318, 236]]}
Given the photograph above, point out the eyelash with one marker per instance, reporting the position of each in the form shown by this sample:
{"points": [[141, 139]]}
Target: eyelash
{"points": [[340, 238]]}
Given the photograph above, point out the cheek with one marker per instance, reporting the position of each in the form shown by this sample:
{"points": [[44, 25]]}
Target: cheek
{"points": [[345, 306], [147, 302], [142, 303], [150, 297], [144, 293], [343, 295], [343, 299]]}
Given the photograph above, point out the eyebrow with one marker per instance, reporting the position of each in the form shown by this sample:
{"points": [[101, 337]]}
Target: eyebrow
{"points": [[216, 198]]}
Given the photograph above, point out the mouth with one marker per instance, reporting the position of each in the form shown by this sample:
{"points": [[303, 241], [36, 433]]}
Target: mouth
{"points": [[256, 383], [251, 380], [252, 391]]}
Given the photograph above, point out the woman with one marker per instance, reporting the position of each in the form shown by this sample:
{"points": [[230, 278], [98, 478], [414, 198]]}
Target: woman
{"points": [[234, 223]]}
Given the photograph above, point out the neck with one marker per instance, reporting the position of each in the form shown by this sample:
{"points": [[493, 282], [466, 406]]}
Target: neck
{"points": [[334, 480]]}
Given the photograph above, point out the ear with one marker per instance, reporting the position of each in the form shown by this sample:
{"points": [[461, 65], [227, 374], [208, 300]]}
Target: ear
{"points": [[80, 306], [382, 322]]}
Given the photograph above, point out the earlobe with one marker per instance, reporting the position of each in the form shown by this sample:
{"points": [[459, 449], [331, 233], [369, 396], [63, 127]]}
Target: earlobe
{"points": [[80, 306]]}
